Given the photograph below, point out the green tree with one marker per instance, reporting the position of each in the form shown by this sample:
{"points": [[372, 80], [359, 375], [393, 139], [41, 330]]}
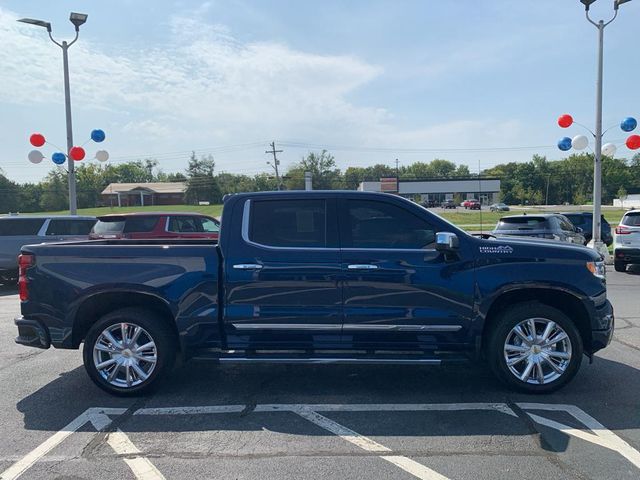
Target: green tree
{"points": [[201, 182], [323, 170], [55, 194]]}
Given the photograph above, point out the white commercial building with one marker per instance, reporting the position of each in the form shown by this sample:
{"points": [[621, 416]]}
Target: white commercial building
{"points": [[485, 189], [630, 201]]}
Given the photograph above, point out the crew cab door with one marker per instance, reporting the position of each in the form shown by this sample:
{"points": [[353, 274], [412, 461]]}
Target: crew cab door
{"points": [[282, 274], [399, 292]]}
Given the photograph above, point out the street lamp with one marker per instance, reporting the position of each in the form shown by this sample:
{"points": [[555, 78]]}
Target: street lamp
{"points": [[597, 167], [77, 19]]}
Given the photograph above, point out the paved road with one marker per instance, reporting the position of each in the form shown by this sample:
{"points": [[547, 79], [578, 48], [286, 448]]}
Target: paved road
{"points": [[261, 422]]}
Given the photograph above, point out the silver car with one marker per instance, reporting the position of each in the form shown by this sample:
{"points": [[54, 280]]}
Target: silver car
{"points": [[19, 230]]}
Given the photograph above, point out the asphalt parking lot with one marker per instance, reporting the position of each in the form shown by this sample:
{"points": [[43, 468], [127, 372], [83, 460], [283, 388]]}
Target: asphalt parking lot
{"points": [[347, 422]]}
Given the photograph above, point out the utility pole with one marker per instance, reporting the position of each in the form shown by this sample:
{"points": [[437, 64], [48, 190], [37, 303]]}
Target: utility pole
{"points": [[397, 169], [276, 162]]}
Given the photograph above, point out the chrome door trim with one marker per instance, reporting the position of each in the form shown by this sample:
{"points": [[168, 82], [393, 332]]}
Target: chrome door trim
{"points": [[403, 328], [247, 266], [363, 266], [287, 326]]}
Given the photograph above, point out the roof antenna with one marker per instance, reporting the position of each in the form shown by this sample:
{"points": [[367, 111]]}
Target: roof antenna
{"points": [[480, 199]]}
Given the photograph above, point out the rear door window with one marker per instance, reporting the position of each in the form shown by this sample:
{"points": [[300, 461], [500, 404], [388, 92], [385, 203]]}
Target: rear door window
{"points": [[69, 227], [565, 225], [136, 224], [209, 225], [108, 227], [20, 226], [286, 223], [631, 219], [522, 223]]}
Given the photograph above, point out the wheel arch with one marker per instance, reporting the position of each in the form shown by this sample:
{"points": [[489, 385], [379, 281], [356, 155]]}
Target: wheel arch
{"points": [[568, 303], [96, 306]]}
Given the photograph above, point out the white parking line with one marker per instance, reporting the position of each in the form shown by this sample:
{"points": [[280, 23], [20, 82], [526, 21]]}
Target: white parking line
{"points": [[601, 435], [141, 467], [410, 466], [97, 416]]}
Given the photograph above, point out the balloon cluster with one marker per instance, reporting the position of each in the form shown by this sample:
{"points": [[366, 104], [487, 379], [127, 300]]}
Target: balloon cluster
{"points": [[75, 153], [580, 142]]}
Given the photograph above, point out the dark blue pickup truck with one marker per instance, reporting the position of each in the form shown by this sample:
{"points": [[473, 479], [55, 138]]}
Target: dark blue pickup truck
{"points": [[318, 277]]}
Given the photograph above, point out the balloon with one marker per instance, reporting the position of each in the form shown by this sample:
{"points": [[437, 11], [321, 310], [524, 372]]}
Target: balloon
{"points": [[564, 144], [609, 149], [35, 156], [58, 158], [102, 155], [633, 142], [77, 153], [37, 139], [97, 135], [565, 120], [628, 124], [579, 142]]}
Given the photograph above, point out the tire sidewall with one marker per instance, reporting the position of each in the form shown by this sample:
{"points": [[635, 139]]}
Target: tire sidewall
{"points": [[161, 335], [509, 319]]}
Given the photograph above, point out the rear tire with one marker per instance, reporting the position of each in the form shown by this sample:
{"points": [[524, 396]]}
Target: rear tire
{"points": [[538, 357], [137, 364], [620, 266]]}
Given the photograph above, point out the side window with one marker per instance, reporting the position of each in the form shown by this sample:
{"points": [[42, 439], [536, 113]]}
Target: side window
{"points": [[288, 223], [185, 224], [140, 224], [565, 225], [208, 225], [21, 226], [69, 227], [383, 225]]}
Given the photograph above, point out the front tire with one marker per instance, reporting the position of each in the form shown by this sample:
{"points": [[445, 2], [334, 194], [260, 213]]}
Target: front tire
{"points": [[534, 348], [129, 351], [620, 266]]}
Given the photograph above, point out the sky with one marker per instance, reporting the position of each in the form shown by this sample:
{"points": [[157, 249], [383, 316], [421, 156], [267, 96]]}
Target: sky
{"points": [[478, 82]]}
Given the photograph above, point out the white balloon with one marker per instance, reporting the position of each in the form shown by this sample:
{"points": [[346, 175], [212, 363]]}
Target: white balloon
{"points": [[102, 155], [609, 149], [35, 156], [579, 142]]}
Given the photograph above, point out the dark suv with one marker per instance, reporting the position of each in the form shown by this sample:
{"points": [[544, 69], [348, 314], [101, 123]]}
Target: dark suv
{"points": [[584, 220], [550, 226]]}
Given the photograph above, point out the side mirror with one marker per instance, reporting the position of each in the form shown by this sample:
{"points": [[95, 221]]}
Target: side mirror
{"points": [[447, 241]]}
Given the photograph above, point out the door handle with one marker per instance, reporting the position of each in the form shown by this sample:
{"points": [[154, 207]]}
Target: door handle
{"points": [[247, 266], [366, 266]]}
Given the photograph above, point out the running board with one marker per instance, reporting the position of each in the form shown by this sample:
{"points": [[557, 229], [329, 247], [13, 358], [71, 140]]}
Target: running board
{"points": [[335, 361]]}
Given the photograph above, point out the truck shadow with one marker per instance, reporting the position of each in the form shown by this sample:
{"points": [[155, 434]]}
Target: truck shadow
{"points": [[204, 384]]}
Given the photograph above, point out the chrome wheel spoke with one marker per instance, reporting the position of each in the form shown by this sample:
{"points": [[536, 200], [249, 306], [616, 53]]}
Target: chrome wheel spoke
{"points": [[114, 373], [127, 371], [553, 340], [527, 371], [124, 333], [107, 334], [105, 348], [515, 348], [556, 354], [136, 334], [539, 373], [523, 336], [516, 360], [106, 363], [552, 364], [548, 329], [147, 358], [532, 329], [144, 347], [141, 374]]}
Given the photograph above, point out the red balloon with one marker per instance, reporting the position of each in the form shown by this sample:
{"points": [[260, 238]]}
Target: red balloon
{"points": [[565, 120], [633, 142], [37, 139], [77, 153]]}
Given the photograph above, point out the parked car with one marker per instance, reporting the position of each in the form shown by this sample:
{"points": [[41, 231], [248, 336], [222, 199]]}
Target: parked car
{"points": [[626, 247], [552, 226], [318, 277], [473, 205], [449, 204], [155, 225], [584, 220], [19, 230], [499, 207], [468, 201], [430, 204]]}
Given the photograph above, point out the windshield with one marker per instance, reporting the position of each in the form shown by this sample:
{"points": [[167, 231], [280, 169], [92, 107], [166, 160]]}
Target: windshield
{"points": [[112, 227], [631, 219]]}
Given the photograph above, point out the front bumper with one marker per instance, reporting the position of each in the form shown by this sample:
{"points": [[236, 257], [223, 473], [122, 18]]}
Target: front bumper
{"points": [[32, 333], [604, 320]]}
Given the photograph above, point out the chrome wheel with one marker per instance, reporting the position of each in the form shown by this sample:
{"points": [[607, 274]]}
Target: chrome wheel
{"points": [[125, 355], [537, 351]]}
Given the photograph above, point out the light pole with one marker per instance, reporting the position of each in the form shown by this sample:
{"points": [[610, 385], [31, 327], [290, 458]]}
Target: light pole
{"points": [[597, 167], [77, 19]]}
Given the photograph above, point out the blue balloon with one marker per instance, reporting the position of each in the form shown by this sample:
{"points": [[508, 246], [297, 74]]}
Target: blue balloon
{"points": [[59, 158], [97, 135], [628, 124], [564, 144]]}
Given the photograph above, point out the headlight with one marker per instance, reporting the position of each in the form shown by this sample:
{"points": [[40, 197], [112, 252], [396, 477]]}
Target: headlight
{"points": [[598, 269]]}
